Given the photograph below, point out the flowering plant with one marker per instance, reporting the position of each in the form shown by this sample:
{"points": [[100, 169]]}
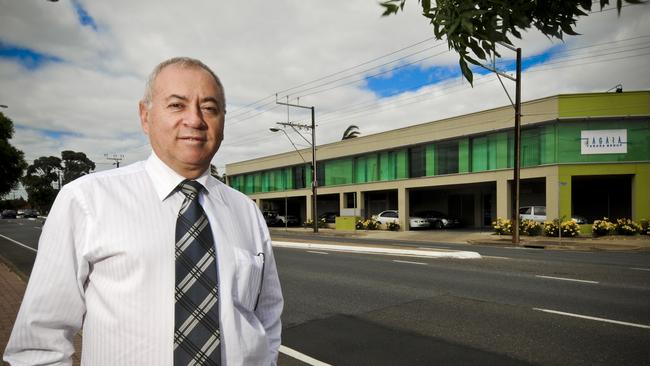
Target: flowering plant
{"points": [[393, 226], [602, 227], [530, 227], [502, 226], [570, 228], [321, 223], [645, 226], [551, 228], [627, 227], [367, 224]]}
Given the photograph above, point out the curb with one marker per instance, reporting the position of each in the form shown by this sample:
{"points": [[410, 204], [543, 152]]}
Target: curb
{"points": [[378, 250]]}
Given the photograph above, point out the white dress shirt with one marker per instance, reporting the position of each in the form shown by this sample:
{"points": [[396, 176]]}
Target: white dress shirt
{"points": [[105, 263]]}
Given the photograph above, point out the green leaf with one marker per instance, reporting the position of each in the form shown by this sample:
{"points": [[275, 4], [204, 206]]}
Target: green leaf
{"points": [[467, 73]]}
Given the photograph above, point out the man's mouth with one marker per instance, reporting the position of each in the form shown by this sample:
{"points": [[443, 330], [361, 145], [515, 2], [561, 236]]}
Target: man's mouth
{"points": [[192, 138]]}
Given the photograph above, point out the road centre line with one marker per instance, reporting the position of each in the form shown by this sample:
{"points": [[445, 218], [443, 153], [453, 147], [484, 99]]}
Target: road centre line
{"points": [[409, 262], [594, 318], [316, 252], [302, 357], [641, 269], [495, 257], [19, 243], [566, 279]]}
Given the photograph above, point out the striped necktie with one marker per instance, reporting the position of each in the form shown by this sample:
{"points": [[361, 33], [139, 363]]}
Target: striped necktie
{"points": [[196, 333]]}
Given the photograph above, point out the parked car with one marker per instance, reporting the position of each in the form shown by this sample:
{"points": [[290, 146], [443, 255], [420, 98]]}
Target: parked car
{"points": [[538, 213], [271, 218], [288, 220], [330, 217], [9, 214], [389, 216], [438, 220], [27, 213]]}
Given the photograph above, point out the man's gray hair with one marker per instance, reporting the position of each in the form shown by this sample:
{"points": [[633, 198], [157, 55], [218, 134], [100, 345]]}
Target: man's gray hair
{"points": [[183, 62]]}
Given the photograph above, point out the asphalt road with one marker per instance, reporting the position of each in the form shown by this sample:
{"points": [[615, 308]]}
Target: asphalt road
{"points": [[513, 307]]}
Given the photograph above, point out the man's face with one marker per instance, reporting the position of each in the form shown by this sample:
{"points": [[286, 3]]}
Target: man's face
{"points": [[185, 120]]}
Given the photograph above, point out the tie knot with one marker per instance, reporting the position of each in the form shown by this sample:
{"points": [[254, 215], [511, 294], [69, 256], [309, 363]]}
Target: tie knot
{"points": [[190, 188]]}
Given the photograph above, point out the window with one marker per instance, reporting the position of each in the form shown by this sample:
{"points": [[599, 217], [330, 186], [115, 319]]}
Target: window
{"points": [[524, 211], [447, 157], [540, 210], [417, 162]]}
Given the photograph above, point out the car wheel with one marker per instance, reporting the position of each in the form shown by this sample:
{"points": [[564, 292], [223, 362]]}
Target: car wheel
{"points": [[437, 225]]}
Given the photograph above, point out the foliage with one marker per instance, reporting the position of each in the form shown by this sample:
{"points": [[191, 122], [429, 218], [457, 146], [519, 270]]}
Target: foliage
{"points": [[13, 204], [645, 226], [12, 160], [215, 173], [367, 224], [627, 227], [502, 226], [602, 227], [75, 164], [478, 25], [570, 228], [41, 182], [393, 226], [310, 223], [351, 132], [530, 227]]}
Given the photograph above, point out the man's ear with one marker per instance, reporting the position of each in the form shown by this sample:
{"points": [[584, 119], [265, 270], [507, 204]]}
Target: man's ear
{"points": [[144, 117]]}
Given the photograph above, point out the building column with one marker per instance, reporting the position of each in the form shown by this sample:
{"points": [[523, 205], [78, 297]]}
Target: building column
{"points": [[641, 193], [361, 209], [258, 202], [309, 204], [503, 198], [403, 207], [341, 201]]}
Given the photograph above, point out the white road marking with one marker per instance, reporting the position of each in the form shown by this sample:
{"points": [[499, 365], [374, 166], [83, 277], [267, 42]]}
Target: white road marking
{"points": [[409, 262], [567, 279], [315, 252], [594, 318], [302, 357], [19, 243], [495, 257], [641, 269]]}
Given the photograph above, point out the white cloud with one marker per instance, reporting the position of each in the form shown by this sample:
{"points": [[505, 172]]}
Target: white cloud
{"points": [[258, 48]]}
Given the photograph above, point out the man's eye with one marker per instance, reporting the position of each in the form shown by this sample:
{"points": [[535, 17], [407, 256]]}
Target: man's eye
{"points": [[175, 106], [213, 110]]}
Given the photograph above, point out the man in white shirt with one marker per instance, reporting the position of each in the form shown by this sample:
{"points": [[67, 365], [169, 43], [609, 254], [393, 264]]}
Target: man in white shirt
{"points": [[106, 256]]}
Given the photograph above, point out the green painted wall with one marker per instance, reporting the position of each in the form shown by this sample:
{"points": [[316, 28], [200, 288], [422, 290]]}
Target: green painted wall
{"points": [[604, 104], [640, 184]]}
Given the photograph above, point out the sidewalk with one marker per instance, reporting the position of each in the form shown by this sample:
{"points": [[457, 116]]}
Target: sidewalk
{"points": [[475, 237], [12, 289]]}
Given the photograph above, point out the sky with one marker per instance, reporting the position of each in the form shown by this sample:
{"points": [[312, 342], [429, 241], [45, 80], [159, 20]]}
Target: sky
{"points": [[72, 72]]}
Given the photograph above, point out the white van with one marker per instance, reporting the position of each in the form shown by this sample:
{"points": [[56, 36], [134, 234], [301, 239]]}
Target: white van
{"points": [[535, 213]]}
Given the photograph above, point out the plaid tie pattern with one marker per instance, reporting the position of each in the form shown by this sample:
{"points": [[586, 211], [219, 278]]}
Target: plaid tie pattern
{"points": [[196, 333]]}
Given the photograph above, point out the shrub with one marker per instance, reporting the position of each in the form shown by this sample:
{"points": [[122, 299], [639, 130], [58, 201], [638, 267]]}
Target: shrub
{"points": [[627, 227], [367, 224], [645, 226], [602, 227], [570, 229], [530, 227], [551, 228], [393, 226], [502, 226], [310, 223]]}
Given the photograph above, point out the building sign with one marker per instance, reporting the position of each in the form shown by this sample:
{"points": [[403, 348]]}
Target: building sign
{"points": [[603, 142]]}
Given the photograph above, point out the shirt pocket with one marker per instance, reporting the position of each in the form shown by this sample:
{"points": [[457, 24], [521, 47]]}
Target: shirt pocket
{"points": [[249, 277]]}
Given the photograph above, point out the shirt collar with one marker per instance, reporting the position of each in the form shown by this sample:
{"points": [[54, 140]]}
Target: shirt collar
{"points": [[165, 179]]}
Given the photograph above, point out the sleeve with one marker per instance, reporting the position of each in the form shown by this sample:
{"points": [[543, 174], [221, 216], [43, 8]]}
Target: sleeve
{"points": [[53, 307], [270, 304]]}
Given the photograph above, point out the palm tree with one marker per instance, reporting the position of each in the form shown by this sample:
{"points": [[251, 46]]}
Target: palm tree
{"points": [[351, 132]]}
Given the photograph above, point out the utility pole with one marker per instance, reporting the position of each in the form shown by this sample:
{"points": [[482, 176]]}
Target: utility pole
{"points": [[517, 163], [314, 180], [116, 158]]}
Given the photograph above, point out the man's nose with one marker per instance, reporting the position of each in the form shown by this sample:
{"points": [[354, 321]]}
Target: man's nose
{"points": [[194, 117]]}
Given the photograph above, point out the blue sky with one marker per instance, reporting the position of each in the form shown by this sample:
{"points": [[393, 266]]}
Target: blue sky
{"points": [[414, 77]]}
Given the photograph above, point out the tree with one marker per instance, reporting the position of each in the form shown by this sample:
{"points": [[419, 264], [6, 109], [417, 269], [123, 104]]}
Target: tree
{"points": [[480, 24], [351, 132], [12, 160], [75, 164], [42, 182], [215, 173]]}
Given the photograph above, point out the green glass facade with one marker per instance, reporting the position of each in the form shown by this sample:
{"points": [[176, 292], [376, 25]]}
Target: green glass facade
{"points": [[555, 142]]}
